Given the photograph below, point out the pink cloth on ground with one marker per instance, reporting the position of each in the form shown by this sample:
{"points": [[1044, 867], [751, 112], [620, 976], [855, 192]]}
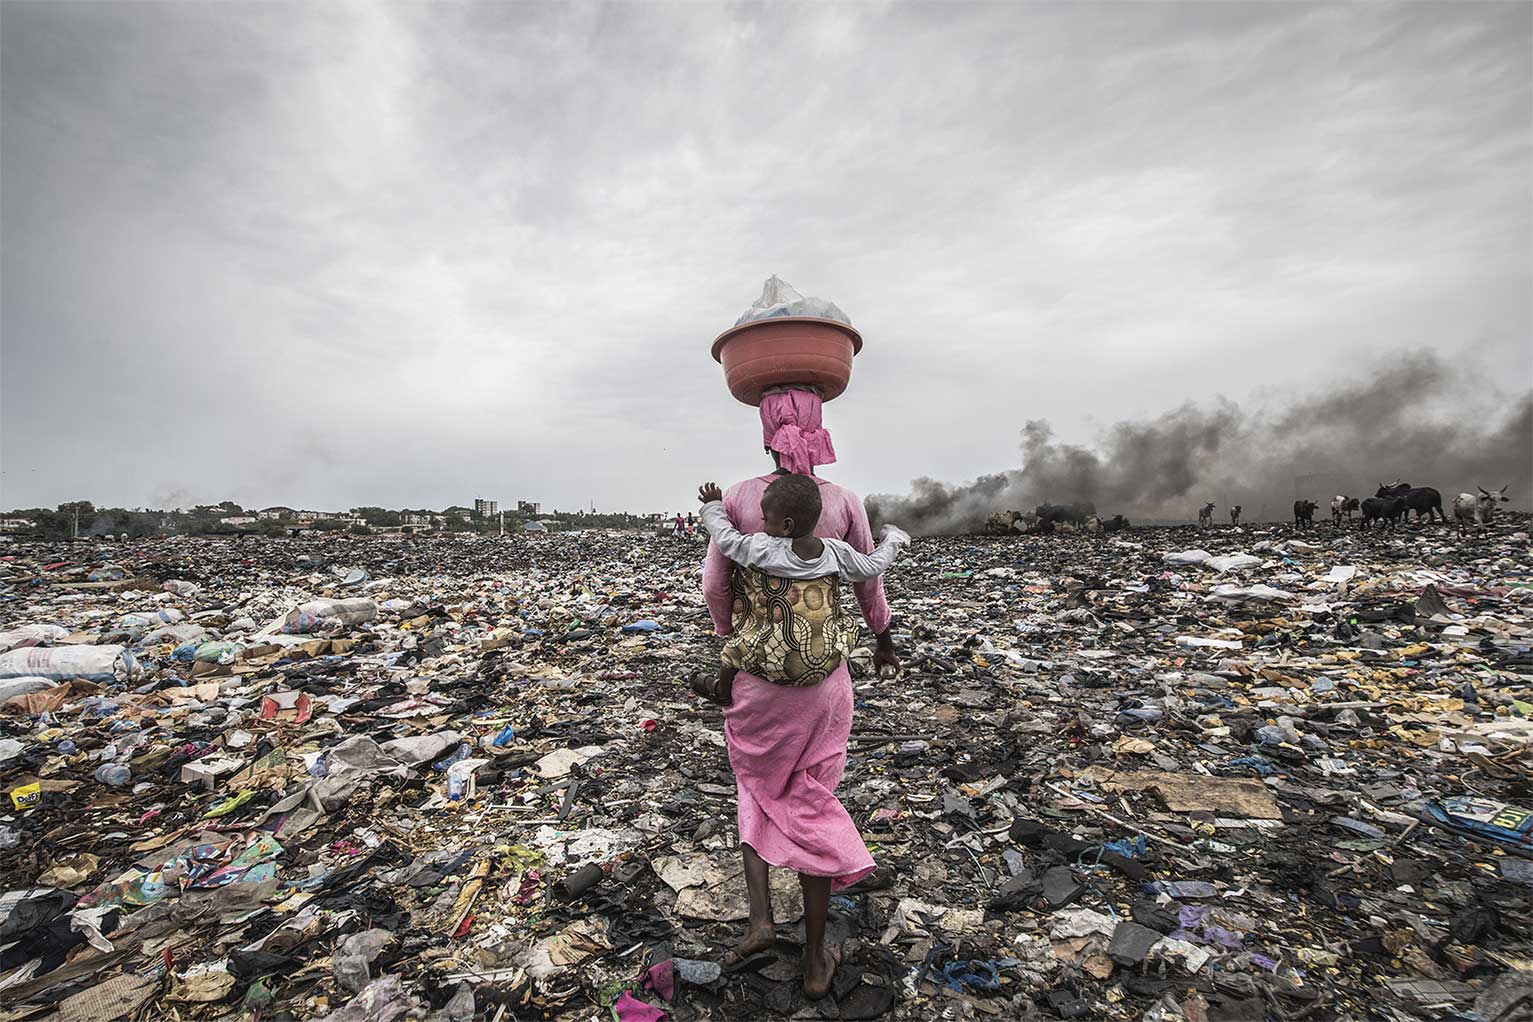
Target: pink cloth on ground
{"points": [[787, 747], [842, 517], [661, 978], [630, 1009], [791, 426]]}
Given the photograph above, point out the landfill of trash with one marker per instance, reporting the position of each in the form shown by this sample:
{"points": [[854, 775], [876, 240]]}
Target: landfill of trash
{"points": [[1170, 773]]}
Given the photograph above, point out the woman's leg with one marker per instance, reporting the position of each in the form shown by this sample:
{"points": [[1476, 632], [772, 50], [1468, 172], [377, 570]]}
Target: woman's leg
{"points": [[760, 930], [819, 962]]}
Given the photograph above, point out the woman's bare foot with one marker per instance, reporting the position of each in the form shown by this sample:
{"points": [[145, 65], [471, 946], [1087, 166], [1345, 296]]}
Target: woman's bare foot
{"points": [[820, 971], [757, 939]]}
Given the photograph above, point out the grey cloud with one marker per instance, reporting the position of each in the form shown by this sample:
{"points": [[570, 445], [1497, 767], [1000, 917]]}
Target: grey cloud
{"points": [[484, 247]]}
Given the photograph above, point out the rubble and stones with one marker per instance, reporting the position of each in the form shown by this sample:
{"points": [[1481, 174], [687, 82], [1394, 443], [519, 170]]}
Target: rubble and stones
{"points": [[1169, 773]]}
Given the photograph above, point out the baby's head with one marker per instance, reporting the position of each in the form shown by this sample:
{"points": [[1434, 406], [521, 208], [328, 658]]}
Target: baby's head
{"points": [[790, 507]]}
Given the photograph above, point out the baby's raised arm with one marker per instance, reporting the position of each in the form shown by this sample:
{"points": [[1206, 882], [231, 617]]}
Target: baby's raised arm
{"points": [[732, 543]]}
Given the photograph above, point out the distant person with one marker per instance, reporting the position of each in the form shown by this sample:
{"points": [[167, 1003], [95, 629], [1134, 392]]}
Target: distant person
{"points": [[691, 525], [1235, 515], [787, 746], [680, 528]]}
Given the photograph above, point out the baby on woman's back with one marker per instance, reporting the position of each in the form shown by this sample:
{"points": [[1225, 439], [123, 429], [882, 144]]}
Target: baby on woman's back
{"points": [[788, 549]]}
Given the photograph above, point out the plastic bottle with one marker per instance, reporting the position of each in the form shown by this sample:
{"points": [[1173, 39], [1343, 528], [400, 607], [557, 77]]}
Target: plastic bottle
{"points": [[457, 755]]}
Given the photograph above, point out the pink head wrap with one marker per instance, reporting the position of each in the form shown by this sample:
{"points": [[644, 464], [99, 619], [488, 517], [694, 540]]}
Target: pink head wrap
{"points": [[790, 425]]}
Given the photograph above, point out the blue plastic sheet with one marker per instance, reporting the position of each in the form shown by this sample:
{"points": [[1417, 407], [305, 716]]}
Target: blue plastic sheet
{"points": [[1258, 763], [976, 974], [1129, 849]]}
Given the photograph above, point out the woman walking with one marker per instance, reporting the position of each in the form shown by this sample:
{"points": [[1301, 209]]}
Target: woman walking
{"points": [[787, 746]]}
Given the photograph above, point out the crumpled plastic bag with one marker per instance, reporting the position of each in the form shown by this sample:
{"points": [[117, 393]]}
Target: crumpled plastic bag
{"points": [[778, 299], [351, 960], [1230, 562], [1258, 593], [359, 758], [383, 1000], [180, 634], [910, 911]]}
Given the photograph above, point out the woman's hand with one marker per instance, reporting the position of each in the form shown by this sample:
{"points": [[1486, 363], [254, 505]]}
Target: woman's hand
{"points": [[709, 492], [885, 655]]}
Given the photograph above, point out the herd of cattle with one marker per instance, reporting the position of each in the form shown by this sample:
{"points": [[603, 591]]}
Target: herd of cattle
{"points": [[1387, 507], [1389, 504]]}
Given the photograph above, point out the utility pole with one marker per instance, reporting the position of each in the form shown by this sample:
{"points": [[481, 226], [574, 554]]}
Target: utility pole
{"points": [[77, 526]]}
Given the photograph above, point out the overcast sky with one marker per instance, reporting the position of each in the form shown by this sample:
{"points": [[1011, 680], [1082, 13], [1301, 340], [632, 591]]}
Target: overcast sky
{"points": [[329, 255]]}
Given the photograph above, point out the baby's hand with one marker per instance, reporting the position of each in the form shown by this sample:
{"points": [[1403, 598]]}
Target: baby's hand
{"points": [[709, 492]]}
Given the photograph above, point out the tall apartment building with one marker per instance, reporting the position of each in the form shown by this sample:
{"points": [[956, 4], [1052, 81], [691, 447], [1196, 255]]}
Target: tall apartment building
{"points": [[486, 508]]}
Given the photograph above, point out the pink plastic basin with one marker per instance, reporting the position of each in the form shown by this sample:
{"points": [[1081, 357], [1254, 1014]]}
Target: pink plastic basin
{"points": [[790, 350]]}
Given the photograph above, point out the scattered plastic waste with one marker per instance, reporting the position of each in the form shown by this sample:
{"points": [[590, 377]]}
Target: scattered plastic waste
{"points": [[1188, 775]]}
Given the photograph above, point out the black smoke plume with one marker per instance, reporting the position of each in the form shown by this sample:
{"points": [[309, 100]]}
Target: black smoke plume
{"points": [[1417, 420]]}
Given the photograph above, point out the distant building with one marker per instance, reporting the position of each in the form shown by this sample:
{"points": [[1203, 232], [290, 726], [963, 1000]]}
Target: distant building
{"points": [[267, 514], [529, 507], [310, 517], [486, 508], [238, 520], [419, 521], [16, 524]]}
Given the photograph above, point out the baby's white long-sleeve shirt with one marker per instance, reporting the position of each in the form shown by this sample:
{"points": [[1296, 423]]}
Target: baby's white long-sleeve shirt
{"points": [[774, 554]]}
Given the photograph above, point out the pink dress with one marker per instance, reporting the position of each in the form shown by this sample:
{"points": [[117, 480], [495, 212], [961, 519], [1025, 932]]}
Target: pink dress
{"points": [[787, 746]]}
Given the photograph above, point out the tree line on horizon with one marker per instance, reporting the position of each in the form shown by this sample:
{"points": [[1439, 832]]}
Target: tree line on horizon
{"points": [[63, 521]]}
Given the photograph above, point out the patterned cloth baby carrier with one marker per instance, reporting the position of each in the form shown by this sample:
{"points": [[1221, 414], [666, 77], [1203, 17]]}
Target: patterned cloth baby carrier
{"points": [[787, 631]]}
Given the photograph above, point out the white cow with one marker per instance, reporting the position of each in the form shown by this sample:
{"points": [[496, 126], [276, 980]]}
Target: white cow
{"points": [[1478, 508], [1342, 506]]}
